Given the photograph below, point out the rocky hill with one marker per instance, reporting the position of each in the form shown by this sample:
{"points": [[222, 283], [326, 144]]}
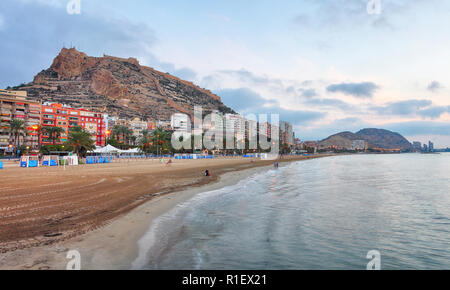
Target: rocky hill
{"points": [[375, 138], [381, 138], [343, 139], [119, 87]]}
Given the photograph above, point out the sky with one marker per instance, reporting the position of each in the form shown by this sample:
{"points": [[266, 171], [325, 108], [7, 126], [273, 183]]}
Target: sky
{"points": [[324, 65]]}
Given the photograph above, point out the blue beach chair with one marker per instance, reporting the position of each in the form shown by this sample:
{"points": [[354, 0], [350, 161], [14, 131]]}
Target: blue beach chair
{"points": [[33, 163]]}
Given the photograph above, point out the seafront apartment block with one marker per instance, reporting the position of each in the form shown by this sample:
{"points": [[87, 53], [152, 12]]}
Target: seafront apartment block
{"points": [[14, 105], [58, 115]]}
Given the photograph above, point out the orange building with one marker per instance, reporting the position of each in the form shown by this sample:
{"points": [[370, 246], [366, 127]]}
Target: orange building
{"points": [[58, 115], [14, 105]]}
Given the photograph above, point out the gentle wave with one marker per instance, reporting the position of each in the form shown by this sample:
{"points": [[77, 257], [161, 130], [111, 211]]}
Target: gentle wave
{"points": [[318, 214]]}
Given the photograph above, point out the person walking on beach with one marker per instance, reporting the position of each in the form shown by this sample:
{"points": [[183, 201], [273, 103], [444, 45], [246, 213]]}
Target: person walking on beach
{"points": [[207, 173], [276, 165]]}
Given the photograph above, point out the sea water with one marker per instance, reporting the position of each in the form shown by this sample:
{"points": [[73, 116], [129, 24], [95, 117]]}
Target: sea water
{"points": [[324, 213]]}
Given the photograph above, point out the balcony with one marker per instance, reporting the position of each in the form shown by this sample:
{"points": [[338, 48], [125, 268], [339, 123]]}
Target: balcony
{"points": [[34, 115]]}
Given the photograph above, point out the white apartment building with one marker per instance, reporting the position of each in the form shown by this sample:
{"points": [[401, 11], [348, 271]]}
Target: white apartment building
{"points": [[180, 122], [236, 123], [137, 126]]}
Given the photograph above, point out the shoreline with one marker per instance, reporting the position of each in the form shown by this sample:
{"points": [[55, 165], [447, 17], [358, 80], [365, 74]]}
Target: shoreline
{"points": [[115, 245]]}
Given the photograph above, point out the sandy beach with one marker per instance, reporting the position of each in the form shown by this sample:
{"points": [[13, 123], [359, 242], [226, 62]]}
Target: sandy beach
{"points": [[100, 210]]}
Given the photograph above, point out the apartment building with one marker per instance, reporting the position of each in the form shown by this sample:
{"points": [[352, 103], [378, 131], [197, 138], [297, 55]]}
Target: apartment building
{"points": [[14, 105], [137, 126], [265, 129], [286, 133], [180, 122], [58, 115]]}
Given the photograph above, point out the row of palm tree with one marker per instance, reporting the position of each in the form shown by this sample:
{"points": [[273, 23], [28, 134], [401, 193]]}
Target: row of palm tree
{"points": [[123, 133], [79, 140], [53, 133], [157, 141], [17, 128]]}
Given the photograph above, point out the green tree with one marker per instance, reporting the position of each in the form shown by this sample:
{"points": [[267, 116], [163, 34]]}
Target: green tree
{"points": [[48, 149], [161, 140], [17, 128], [122, 131], [133, 140], [39, 132], [80, 141], [54, 133], [145, 141], [113, 142]]}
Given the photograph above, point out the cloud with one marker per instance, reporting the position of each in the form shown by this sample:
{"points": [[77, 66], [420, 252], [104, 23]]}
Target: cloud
{"points": [[321, 132], [242, 99], [246, 76], [339, 14], [343, 14], [246, 101], [308, 93], [411, 128], [434, 86], [422, 108], [434, 112], [184, 73], [359, 90], [420, 128], [335, 103], [404, 108], [36, 36], [292, 91]]}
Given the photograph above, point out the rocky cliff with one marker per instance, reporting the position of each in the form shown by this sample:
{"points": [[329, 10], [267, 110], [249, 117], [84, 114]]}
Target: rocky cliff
{"points": [[119, 87]]}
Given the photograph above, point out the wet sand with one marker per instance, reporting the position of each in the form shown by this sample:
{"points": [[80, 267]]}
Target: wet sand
{"points": [[99, 210]]}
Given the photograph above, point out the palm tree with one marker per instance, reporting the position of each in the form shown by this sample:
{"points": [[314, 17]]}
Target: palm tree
{"points": [[128, 134], [115, 131], [144, 141], [161, 139], [122, 131], [39, 132], [133, 140], [80, 140], [17, 128], [54, 133]]}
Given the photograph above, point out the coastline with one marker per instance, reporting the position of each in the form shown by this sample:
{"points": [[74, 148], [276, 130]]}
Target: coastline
{"points": [[115, 245]]}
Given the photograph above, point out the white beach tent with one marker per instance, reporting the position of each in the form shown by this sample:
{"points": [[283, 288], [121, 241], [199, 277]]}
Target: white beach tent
{"points": [[134, 150], [108, 149], [131, 151]]}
